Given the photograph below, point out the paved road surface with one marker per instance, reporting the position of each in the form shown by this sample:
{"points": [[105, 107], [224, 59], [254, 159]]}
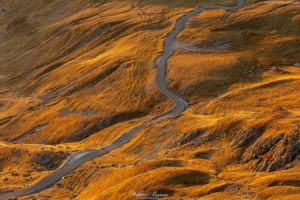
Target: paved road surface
{"points": [[181, 105]]}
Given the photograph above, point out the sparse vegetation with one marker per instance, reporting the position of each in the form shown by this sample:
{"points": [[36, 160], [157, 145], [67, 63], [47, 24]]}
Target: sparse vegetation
{"points": [[75, 75]]}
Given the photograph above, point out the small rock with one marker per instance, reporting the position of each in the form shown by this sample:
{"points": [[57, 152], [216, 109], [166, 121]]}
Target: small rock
{"points": [[39, 169], [59, 185], [26, 175], [15, 174]]}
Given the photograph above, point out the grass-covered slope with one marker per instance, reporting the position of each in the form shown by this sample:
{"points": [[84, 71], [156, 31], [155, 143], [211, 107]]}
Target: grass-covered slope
{"points": [[75, 75]]}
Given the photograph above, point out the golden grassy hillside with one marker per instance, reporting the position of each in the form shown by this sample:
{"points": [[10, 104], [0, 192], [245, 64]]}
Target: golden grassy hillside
{"points": [[75, 75]]}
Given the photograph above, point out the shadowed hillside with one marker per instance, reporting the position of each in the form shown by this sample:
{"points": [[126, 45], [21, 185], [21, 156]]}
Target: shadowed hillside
{"points": [[75, 75]]}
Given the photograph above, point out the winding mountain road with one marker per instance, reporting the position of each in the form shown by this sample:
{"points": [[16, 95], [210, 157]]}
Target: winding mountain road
{"points": [[180, 104]]}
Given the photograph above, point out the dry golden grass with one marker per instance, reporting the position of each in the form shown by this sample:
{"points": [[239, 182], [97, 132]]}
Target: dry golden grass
{"points": [[19, 165], [76, 75], [80, 81]]}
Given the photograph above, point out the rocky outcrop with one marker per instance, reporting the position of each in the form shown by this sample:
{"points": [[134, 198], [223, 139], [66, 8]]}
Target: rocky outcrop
{"points": [[245, 135], [260, 147], [44, 159], [51, 160], [186, 138], [208, 136], [89, 129], [284, 153]]}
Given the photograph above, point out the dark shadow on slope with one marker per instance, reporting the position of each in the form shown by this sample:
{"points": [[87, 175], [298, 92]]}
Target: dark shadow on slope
{"points": [[189, 178], [294, 183], [93, 81], [29, 133], [90, 130], [5, 120]]}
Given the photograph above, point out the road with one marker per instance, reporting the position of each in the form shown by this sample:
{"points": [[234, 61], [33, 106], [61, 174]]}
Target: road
{"points": [[180, 106], [168, 47]]}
